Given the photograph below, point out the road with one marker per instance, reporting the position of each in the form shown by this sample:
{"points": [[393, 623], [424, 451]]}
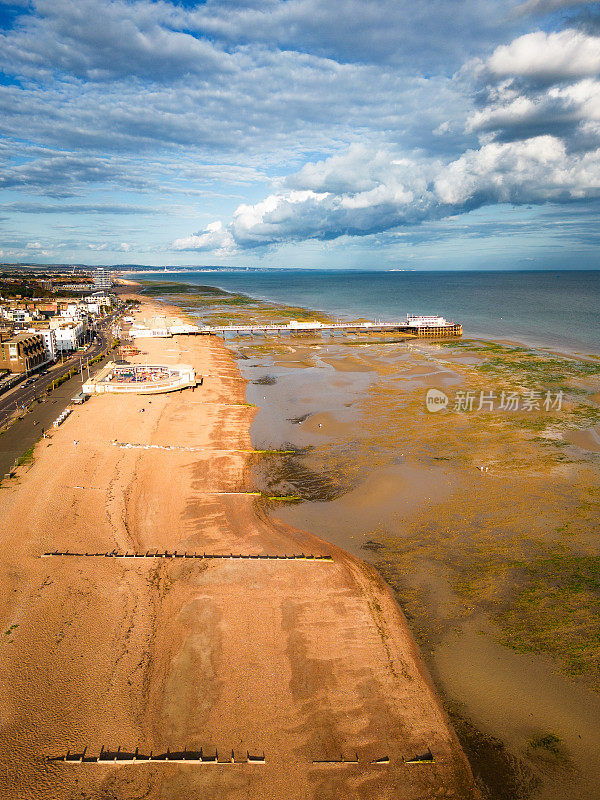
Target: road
{"points": [[23, 395]]}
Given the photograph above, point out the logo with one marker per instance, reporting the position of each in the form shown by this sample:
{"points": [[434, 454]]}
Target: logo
{"points": [[435, 400]]}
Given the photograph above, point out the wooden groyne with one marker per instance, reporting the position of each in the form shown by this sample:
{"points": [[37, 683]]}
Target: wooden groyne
{"points": [[120, 757], [185, 554]]}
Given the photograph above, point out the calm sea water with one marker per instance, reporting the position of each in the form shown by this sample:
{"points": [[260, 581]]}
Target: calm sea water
{"points": [[549, 309]]}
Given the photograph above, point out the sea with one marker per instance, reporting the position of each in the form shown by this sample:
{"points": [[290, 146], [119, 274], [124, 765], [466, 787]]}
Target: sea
{"points": [[558, 310]]}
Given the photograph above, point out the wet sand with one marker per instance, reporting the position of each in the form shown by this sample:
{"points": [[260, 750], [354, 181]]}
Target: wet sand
{"points": [[491, 566], [298, 660]]}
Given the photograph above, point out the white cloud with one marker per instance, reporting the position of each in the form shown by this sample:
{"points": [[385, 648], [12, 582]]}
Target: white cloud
{"points": [[389, 192], [536, 170], [213, 238], [77, 38], [540, 84], [550, 108], [545, 6], [563, 54], [160, 98]]}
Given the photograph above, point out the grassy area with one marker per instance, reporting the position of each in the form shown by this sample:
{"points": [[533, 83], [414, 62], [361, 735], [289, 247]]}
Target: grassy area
{"points": [[522, 366], [26, 458], [557, 610]]}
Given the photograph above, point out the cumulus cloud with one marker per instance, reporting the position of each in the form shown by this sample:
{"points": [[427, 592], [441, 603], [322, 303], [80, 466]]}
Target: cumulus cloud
{"points": [[390, 192], [547, 56], [540, 84], [213, 237], [571, 111]]}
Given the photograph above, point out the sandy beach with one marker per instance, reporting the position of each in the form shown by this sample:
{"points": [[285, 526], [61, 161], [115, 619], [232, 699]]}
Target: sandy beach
{"points": [[299, 661]]}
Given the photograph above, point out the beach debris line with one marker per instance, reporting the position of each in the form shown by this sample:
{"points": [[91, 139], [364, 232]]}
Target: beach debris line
{"points": [[425, 758], [185, 554], [108, 756], [216, 492], [190, 449], [340, 760]]}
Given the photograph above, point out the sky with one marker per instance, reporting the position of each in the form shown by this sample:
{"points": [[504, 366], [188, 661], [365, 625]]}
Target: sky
{"points": [[375, 134]]}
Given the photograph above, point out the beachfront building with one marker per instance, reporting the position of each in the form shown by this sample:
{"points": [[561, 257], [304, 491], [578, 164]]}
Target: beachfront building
{"points": [[74, 287], [49, 336], [22, 352], [49, 342], [69, 336]]}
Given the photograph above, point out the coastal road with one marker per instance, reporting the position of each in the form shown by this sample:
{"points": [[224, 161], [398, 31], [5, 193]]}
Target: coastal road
{"points": [[23, 395]]}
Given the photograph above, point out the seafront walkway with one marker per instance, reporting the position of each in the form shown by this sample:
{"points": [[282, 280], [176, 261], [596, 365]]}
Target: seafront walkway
{"points": [[127, 671]]}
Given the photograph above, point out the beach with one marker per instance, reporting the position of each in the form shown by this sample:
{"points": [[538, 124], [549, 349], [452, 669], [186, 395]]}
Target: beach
{"points": [[482, 520], [305, 664]]}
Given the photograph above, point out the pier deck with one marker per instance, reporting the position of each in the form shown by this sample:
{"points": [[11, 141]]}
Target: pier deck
{"points": [[446, 330]]}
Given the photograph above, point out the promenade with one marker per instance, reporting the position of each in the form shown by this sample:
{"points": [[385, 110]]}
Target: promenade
{"points": [[172, 678]]}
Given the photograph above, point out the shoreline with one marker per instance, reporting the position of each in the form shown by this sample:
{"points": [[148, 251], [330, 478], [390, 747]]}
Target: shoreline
{"points": [[175, 642]]}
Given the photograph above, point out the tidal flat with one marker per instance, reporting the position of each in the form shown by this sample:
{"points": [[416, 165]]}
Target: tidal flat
{"points": [[482, 517]]}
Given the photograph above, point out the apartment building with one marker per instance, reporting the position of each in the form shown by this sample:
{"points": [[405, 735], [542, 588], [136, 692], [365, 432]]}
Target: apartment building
{"points": [[102, 279], [22, 352], [49, 340]]}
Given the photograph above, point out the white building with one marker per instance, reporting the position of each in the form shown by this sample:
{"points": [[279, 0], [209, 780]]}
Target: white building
{"points": [[425, 321], [69, 337], [20, 316], [76, 310], [101, 298], [140, 379]]}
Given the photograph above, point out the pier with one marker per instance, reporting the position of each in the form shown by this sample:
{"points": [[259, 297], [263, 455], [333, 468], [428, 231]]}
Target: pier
{"points": [[414, 326]]}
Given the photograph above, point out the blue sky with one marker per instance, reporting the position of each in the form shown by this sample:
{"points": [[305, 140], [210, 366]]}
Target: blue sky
{"points": [[346, 133]]}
